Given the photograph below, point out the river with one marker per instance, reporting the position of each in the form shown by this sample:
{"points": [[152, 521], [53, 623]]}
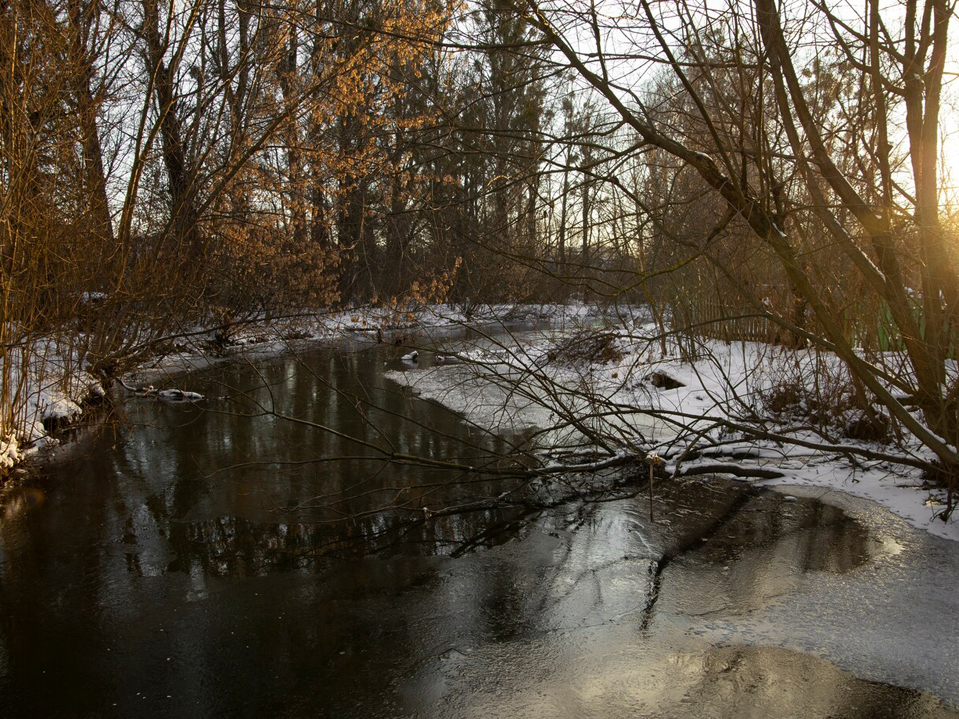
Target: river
{"points": [[222, 561]]}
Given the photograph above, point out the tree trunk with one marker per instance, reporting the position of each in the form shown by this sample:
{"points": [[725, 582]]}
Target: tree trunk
{"points": [[87, 105], [180, 181]]}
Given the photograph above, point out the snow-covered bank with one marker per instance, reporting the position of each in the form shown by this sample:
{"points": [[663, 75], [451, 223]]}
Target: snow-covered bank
{"points": [[50, 388], [696, 414], [898, 490], [46, 390], [262, 338]]}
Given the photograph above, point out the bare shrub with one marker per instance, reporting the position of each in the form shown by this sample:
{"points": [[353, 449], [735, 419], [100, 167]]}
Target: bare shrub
{"points": [[818, 390], [587, 347]]}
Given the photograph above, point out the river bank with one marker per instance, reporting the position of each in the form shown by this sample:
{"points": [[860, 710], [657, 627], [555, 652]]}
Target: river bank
{"points": [[640, 393]]}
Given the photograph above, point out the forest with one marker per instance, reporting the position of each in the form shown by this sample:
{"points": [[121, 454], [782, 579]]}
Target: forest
{"points": [[551, 358], [744, 171]]}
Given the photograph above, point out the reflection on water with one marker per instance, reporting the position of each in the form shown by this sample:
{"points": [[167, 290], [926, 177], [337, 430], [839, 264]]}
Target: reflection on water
{"points": [[811, 536], [762, 551], [629, 680], [767, 682], [233, 546], [201, 564]]}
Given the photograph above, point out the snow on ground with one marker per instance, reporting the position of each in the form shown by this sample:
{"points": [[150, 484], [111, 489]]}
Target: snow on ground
{"points": [[46, 387], [9, 452], [261, 337], [538, 380], [894, 487], [330, 325]]}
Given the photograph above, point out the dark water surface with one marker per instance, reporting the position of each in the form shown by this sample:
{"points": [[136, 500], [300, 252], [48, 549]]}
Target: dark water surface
{"points": [[169, 572]]}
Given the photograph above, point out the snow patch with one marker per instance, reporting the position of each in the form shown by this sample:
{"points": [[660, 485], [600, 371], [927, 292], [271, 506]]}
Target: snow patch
{"points": [[9, 452], [516, 383]]}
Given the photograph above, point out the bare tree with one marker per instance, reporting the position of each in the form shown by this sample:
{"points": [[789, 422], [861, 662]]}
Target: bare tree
{"points": [[893, 240]]}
